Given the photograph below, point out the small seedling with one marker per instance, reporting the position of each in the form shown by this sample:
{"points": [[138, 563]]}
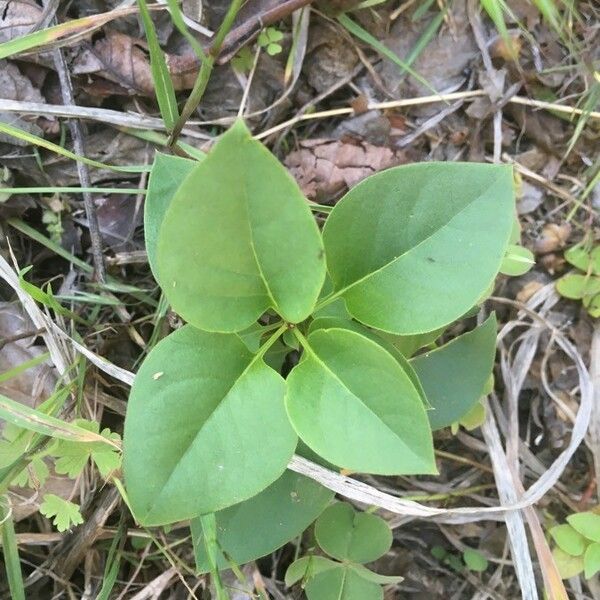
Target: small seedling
{"points": [[352, 539], [577, 545], [211, 422], [471, 559], [269, 39], [584, 284]]}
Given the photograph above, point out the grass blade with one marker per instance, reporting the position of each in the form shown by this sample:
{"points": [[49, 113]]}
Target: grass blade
{"points": [[163, 85], [177, 17], [11, 552], [34, 420], [42, 143], [362, 34], [51, 34]]}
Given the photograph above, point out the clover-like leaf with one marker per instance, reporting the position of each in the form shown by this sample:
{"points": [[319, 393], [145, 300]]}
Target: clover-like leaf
{"points": [[206, 427], [591, 560], [474, 560], [262, 524], [307, 567], [342, 583], [413, 248], [587, 524], [568, 539], [64, 514], [577, 286], [166, 176], [349, 535], [518, 260], [454, 375], [568, 566], [239, 239], [352, 403]]}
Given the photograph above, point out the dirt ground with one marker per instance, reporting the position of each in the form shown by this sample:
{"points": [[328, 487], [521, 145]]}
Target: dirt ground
{"points": [[336, 99]]}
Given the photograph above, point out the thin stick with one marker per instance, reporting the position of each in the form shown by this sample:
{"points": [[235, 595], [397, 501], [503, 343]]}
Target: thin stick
{"points": [[75, 128]]}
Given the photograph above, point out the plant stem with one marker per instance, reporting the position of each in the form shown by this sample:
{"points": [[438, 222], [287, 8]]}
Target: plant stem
{"points": [[205, 72]]}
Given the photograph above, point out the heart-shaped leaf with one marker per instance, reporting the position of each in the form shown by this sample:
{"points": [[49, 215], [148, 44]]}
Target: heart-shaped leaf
{"points": [[413, 248], [349, 535], [165, 178], [239, 239], [353, 404], [205, 428], [591, 560], [377, 337], [342, 583], [307, 567], [587, 524], [454, 375], [262, 524], [568, 540]]}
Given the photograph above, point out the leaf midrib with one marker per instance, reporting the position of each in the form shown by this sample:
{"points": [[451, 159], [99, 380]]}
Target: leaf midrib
{"points": [[343, 290], [202, 426], [369, 409]]}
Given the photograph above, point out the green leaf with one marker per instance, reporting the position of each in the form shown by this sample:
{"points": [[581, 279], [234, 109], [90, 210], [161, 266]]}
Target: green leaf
{"points": [[205, 428], [342, 583], [353, 404], [474, 418], [593, 306], [568, 539], [474, 560], [167, 174], [307, 567], [579, 256], [262, 524], [33, 475], [577, 287], [587, 524], [409, 344], [349, 535], [239, 239], [568, 566], [72, 457], [454, 375], [378, 338], [64, 514], [517, 261], [414, 247], [591, 560]]}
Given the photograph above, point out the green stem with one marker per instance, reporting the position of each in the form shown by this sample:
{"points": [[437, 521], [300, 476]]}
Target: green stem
{"points": [[10, 551], [205, 72], [263, 349], [209, 530]]}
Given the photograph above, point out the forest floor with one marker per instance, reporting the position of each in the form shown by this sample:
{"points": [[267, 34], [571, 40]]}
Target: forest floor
{"points": [[337, 90]]}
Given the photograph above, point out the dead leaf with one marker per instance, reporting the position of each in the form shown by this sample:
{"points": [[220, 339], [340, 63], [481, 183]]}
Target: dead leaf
{"points": [[330, 58], [17, 18], [324, 168], [442, 64], [119, 58], [553, 237]]}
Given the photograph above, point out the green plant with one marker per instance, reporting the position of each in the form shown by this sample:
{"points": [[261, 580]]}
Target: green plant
{"points": [[352, 539], [577, 545], [585, 284], [211, 424], [471, 559], [269, 39]]}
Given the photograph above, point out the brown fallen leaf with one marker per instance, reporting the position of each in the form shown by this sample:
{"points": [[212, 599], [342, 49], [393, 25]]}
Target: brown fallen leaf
{"points": [[324, 168], [17, 18]]}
